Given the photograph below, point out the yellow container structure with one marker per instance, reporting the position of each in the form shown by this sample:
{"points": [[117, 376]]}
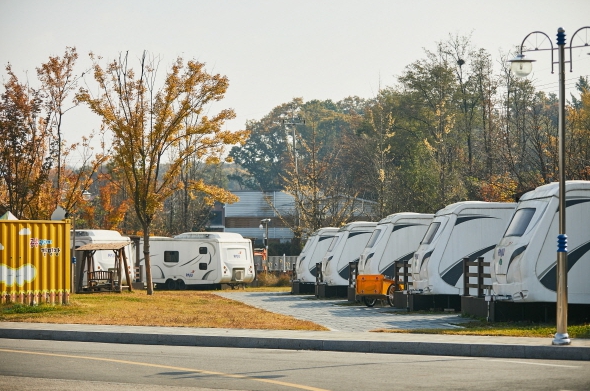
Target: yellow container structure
{"points": [[35, 261], [373, 287]]}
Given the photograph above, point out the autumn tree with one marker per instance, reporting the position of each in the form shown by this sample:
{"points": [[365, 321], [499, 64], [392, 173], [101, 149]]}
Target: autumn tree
{"points": [[320, 183], [58, 83], [376, 157], [27, 148], [147, 122], [578, 141]]}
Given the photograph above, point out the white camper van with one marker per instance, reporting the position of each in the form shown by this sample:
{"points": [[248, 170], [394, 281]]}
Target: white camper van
{"points": [[103, 259], [312, 254], [469, 229], [395, 239], [346, 247], [201, 258], [524, 263]]}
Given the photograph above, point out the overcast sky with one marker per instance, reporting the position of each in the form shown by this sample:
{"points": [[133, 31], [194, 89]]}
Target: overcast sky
{"points": [[273, 50]]}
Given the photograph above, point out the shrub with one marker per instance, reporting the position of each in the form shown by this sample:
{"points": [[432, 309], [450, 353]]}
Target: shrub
{"points": [[284, 280], [271, 279]]}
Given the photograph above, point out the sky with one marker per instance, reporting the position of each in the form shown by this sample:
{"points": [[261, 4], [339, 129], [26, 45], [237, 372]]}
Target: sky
{"points": [[275, 50]]}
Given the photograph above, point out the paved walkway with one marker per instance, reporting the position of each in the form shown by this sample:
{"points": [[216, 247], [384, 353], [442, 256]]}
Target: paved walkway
{"points": [[340, 315], [361, 342]]}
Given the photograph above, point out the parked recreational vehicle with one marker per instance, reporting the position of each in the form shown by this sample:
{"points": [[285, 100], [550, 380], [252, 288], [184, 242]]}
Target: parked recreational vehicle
{"points": [[312, 253], [103, 259], [346, 247], [524, 264], [395, 238], [201, 258], [469, 229]]}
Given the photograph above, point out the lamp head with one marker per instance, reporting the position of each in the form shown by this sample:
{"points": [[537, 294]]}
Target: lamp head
{"points": [[520, 66], [86, 195]]}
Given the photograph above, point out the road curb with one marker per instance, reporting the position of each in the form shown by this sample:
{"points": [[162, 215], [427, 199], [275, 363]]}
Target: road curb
{"points": [[358, 346]]}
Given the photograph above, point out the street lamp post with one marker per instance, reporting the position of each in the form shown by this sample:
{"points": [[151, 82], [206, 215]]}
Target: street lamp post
{"points": [[265, 222], [522, 67]]}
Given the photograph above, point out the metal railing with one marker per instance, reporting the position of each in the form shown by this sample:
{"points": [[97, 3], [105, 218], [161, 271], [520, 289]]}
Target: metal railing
{"points": [[280, 263]]}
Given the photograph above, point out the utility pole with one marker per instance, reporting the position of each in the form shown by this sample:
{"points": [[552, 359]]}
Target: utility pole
{"points": [[293, 121]]}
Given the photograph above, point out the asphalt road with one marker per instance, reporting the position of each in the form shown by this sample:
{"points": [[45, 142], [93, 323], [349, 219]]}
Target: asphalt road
{"points": [[52, 365]]}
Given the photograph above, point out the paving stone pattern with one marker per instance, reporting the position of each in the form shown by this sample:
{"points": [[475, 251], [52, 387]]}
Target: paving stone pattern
{"points": [[340, 315]]}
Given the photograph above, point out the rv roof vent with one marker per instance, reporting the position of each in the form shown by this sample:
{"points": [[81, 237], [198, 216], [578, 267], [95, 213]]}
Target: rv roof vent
{"points": [[193, 235]]}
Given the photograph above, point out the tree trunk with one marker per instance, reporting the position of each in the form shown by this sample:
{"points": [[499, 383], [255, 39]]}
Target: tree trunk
{"points": [[148, 263]]}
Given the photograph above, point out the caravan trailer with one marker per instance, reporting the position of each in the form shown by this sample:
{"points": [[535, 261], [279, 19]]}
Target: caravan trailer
{"points": [[394, 241], [312, 253], [524, 264], [103, 259], [345, 247], [395, 238], [201, 259], [469, 229]]}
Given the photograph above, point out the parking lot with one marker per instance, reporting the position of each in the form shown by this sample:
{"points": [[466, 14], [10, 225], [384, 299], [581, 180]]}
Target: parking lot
{"points": [[340, 315]]}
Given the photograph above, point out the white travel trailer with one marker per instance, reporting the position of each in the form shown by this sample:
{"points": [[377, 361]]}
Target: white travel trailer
{"points": [[395, 239], [103, 259], [314, 250], [469, 229], [201, 258], [524, 264], [346, 247]]}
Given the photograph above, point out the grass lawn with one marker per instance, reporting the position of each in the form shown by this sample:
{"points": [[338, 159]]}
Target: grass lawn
{"points": [[164, 308], [506, 329], [206, 309]]}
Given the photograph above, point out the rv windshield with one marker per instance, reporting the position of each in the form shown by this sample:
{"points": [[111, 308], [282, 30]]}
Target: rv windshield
{"points": [[520, 222], [334, 241], [373, 238], [307, 244], [431, 232]]}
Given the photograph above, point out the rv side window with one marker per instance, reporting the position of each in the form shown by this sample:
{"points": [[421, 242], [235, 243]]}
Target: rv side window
{"points": [[431, 232], [171, 256], [520, 222], [202, 250], [373, 238]]}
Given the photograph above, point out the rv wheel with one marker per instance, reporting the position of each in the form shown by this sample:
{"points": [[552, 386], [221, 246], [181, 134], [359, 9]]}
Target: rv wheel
{"points": [[180, 285], [369, 301], [171, 285], [390, 292]]}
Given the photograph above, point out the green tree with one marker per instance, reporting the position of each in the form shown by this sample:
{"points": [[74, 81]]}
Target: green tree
{"points": [[430, 86]]}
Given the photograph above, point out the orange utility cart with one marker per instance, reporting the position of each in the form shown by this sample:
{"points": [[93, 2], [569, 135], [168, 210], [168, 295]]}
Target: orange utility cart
{"points": [[373, 287]]}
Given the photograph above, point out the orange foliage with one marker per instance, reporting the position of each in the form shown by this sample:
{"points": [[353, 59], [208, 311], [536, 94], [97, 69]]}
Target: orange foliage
{"points": [[500, 188]]}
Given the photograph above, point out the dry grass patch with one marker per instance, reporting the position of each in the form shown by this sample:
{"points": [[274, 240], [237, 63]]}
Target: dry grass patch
{"points": [[164, 308], [501, 329]]}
